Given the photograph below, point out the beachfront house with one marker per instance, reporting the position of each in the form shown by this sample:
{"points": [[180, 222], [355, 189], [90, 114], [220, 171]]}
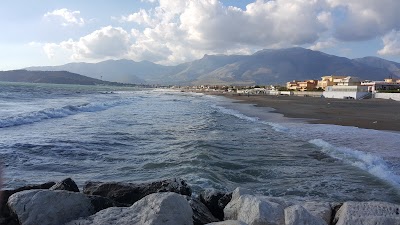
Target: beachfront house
{"points": [[329, 81], [347, 88], [307, 85]]}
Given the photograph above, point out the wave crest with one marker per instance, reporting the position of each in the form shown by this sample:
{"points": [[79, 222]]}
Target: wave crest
{"points": [[53, 113]]}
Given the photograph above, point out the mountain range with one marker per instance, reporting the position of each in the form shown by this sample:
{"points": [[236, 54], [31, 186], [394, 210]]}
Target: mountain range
{"points": [[272, 66]]}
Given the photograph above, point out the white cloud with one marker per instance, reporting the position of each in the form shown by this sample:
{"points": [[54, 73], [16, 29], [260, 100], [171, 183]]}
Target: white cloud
{"points": [[65, 17], [141, 17], [323, 44], [391, 43], [175, 31], [183, 30], [365, 19], [105, 43]]}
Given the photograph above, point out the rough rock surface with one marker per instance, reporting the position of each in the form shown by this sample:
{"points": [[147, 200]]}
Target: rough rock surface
{"points": [[154, 209], [228, 222], [47, 207], [215, 201], [129, 193], [319, 209], [5, 216], [253, 210], [66, 185], [99, 203], [298, 215], [201, 214], [368, 213]]}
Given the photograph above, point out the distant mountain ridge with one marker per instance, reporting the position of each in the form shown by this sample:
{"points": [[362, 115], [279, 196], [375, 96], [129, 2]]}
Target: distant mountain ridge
{"points": [[54, 77], [270, 66]]}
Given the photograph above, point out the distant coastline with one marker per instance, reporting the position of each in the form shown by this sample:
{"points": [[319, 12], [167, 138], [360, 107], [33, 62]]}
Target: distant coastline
{"points": [[377, 114]]}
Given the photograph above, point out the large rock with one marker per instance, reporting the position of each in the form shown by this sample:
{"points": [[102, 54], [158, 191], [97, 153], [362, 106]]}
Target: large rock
{"points": [[228, 222], [6, 218], [368, 213], [155, 209], [201, 214], [99, 203], [129, 193], [47, 207], [66, 185], [215, 201], [298, 215], [253, 210], [322, 210]]}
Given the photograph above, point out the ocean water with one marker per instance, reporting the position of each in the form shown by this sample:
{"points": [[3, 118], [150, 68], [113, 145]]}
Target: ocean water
{"points": [[50, 132]]}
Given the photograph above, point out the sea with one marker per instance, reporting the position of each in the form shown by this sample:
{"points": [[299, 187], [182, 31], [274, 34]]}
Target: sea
{"points": [[97, 133]]}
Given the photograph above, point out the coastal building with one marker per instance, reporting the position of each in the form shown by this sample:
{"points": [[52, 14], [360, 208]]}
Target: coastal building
{"points": [[386, 85], [329, 81], [292, 85], [307, 85], [347, 88]]}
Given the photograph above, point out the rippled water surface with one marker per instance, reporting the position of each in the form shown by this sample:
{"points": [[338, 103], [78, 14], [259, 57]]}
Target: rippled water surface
{"points": [[50, 132]]}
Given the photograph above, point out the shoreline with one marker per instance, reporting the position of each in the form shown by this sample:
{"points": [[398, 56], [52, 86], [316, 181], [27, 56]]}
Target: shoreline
{"points": [[377, 114]]}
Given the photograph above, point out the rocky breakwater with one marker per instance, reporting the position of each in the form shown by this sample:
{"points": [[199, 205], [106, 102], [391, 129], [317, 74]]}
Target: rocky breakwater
{"points": [[171, 202]]}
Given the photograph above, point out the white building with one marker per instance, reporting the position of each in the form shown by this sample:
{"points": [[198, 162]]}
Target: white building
{"points": [[347, 88]]}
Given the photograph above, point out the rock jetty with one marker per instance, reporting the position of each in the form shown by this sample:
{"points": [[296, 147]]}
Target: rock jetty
{"points": [[170, 202]]}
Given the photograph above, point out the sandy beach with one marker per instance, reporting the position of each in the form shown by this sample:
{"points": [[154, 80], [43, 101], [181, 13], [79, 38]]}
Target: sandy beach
{"points": [[378, 114]]}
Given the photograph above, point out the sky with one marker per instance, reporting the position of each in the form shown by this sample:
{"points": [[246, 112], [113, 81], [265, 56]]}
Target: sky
{"points": [[169, 32]]}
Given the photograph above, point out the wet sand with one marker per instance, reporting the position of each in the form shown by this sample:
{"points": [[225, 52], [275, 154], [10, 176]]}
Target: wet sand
{"points": [[378, 114]]}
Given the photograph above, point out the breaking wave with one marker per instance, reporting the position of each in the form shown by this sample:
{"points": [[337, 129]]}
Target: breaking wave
{"points": [[275, 126], [52, 113], [365, 161]]}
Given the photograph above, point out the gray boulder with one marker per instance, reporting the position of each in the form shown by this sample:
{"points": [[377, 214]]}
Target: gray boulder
{"points": [[47, 207], [253, 210], [6, 218], [368, 213], [322, 210], [129, 193], [298, 215], [228, 222], [201, 214], [215, 201], [99, 203], [155, 209], [66, 185]]}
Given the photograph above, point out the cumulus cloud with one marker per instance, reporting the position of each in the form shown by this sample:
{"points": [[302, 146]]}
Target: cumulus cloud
{"points": [[175, 31], [65, 17], [365, 19], [391, 43], [105, 43], [183, 30]]}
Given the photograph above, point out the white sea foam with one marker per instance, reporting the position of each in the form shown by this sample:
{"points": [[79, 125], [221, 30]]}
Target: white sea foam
{"points": [[235, 113], [276, 126], [365, 161], [51, 113]]}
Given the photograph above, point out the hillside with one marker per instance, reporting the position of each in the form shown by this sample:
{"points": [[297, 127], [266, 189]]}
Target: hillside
{"points": [[54, 77], [269, 66], [279, 66], [124, 71]]}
